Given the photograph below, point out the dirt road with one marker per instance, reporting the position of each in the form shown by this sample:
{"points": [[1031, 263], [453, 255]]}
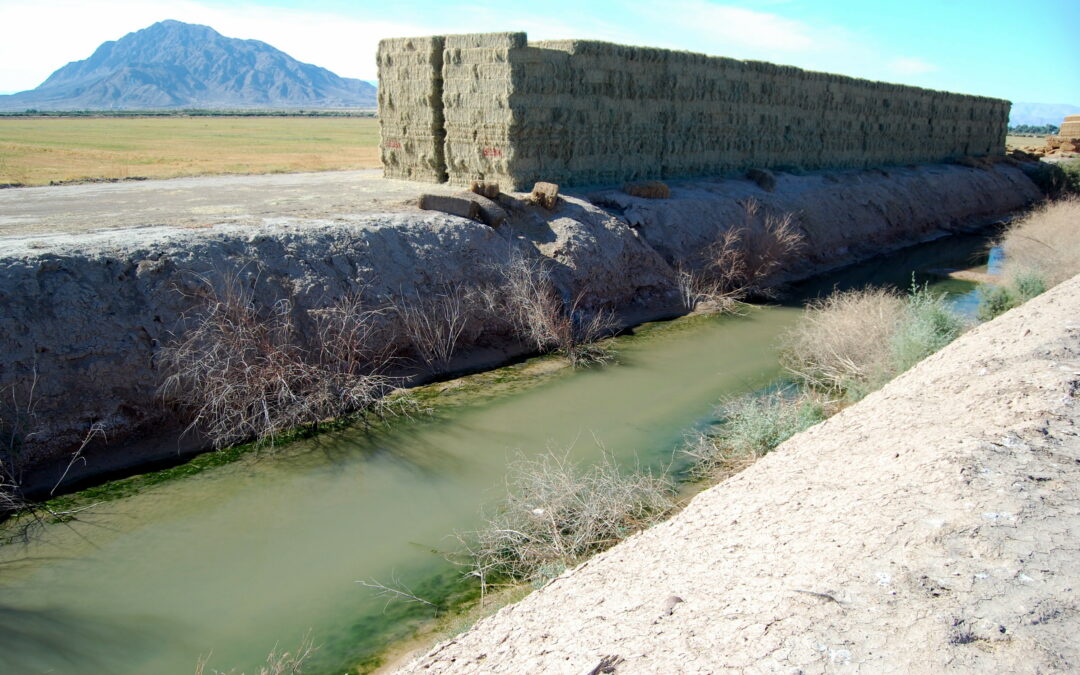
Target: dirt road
{"points": [[203, 201], [931, 527]]}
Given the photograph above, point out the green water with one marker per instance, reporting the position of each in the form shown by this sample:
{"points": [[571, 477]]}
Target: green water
{"points": [[237, 560]]}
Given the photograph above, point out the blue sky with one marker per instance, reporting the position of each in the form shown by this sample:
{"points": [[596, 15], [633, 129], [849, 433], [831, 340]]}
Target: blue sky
{"points": [[1023, 51]]}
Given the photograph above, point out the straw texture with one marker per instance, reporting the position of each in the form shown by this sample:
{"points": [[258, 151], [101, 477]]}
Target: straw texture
{"points": [[411, 108], [581, 112]]}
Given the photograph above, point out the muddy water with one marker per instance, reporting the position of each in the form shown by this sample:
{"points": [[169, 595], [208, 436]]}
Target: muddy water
{"points": [[235, 561]]}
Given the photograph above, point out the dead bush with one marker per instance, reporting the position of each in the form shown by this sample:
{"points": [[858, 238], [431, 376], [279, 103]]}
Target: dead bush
{"points": [[243, 371], [743, 260], [541, 317], [842, 342], [1045, 243], [555, 514], [435, 322]]}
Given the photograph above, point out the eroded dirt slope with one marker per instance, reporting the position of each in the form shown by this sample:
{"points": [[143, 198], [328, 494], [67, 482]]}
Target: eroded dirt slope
{"points": [[933, 526]]}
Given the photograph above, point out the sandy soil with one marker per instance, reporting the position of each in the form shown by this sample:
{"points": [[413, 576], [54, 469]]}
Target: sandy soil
{"points": [[206, 201], [931, 527]]}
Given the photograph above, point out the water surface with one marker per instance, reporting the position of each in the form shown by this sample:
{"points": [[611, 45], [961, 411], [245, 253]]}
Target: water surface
{"points": [[235, 561]]}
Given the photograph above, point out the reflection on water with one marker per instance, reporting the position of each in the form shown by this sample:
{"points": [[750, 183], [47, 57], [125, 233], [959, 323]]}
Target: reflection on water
{"points": [[256, 554]]}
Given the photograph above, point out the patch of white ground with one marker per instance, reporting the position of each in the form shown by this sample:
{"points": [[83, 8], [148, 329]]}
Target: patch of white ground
{"points": [[934, 525]]}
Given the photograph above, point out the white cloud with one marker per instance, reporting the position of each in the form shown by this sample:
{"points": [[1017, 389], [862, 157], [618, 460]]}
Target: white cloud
{"points": [[909, 66], [37, 38], [738, 26]]}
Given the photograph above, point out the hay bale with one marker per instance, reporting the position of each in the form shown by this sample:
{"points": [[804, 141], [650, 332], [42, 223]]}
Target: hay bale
{"points": [[546, 195], [457, 205], [410, 108], [490, 212], [489, 189], [651, 189], [582, 111]]}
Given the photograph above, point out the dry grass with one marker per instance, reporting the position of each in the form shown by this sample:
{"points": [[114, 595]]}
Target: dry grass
{"points": [[35, 151], [1045, 243], [842, 341], [244, 371], [852, 342], [435, 322], [277, 662], [557, 514]]}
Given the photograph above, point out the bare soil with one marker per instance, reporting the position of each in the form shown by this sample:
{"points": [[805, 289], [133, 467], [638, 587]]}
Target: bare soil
{"points": [[932, 526]]}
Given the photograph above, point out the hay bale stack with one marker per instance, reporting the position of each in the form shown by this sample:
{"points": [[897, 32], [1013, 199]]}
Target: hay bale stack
{"points": [[1070, 127], [411, 109], [477, 85], [582, 112]]}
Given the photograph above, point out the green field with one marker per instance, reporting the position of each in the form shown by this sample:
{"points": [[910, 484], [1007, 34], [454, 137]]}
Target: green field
{"points": [[40, 150]]}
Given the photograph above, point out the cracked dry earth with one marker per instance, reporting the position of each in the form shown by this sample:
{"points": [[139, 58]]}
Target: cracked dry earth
{"points": [[933, 526]]}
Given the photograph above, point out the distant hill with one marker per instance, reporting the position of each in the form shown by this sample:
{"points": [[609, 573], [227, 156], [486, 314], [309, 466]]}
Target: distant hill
{"points": [[179, 65], [1041, 113]]}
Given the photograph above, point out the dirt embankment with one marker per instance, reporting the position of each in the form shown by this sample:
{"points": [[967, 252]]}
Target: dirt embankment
{"points": [[85, 313], [930, 527]]}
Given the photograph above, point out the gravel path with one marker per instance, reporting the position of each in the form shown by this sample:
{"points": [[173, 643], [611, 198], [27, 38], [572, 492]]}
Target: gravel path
{"points": [[933, 526]]}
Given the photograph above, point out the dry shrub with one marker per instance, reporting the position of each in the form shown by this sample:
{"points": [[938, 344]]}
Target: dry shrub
{"points": [[556, 514], [744, 259], [542, 318], [852, 342], [435, 322], [277, 662], [1045, 243], [243, 371], [841, 343]]}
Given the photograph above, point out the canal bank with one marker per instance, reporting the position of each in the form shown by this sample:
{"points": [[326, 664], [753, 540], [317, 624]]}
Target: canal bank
{"points": [[89, 312], [926, 528], [240, 558]]}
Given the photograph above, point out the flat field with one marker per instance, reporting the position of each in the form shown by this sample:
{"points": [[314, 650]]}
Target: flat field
{"points": [[37, 151], [1018, 141]]}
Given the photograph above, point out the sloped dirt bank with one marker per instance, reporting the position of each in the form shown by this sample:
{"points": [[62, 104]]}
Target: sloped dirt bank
{"points": [[85, 315], [931, 526]]}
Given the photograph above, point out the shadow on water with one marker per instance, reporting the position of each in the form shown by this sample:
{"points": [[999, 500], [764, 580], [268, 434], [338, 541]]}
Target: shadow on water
{"points": [[40, 640]]}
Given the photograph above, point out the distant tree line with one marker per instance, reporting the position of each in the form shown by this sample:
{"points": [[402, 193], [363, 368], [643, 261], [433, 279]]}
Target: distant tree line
{"points": [[1045, 129]]}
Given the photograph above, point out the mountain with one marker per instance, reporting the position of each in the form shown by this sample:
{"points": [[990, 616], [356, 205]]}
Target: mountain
{"points": [[179, 65], [1041, 113]]}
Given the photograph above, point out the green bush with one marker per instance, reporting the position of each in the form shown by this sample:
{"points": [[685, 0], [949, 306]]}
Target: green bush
{"points": [[928, 325], [995, 300], [751, 426]]}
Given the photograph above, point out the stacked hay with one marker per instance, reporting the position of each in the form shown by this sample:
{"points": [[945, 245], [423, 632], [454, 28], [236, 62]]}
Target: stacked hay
{"points": [[478, 81], [582, 112], [411, 109], [1070, 128]]}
